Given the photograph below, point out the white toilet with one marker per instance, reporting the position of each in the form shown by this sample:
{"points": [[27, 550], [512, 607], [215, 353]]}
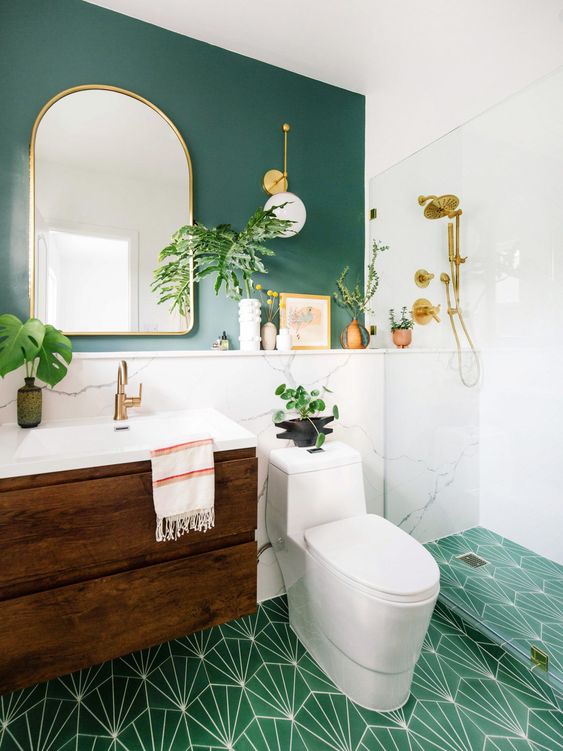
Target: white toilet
{"points": [[361, 591]]}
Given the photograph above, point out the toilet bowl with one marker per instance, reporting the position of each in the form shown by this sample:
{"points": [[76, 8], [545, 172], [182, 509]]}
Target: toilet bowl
{"points": [[360, 590]]}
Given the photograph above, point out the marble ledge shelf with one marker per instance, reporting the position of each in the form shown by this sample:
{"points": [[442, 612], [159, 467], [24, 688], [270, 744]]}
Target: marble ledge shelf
{"points": [[150, 355]]}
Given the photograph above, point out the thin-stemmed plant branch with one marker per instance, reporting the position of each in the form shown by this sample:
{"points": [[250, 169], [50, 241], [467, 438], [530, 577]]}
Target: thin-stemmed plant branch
{"points": [[357, 301]]}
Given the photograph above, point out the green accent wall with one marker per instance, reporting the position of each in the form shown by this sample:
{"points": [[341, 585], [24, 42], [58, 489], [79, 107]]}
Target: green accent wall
{"points": [[229, 108]]}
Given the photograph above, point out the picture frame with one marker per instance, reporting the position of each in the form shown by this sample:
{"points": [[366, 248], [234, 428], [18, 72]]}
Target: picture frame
{"points": [[308, 319]]}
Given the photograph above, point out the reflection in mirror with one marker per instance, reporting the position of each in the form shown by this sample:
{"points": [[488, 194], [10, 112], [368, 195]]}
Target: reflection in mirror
{"points": [[111, 182]]}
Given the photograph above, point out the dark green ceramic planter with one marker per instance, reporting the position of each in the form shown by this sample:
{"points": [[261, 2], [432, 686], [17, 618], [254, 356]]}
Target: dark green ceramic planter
{"points": [[29, 404]]}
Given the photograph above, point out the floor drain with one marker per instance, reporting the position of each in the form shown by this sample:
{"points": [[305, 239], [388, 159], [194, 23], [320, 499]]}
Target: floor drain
{"points": [[472, 560]]}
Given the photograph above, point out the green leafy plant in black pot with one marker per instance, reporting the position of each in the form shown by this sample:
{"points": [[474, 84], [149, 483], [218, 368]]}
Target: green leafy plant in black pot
{"points": [[309, 427], [43, 350]]}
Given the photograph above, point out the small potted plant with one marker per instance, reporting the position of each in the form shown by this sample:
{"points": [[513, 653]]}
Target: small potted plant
{"points": [[45, 352], [357, 302], [401, 330], [270, 302], [308, 428]]}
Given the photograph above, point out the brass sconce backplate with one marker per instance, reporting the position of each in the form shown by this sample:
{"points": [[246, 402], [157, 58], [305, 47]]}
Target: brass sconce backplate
{"points": [[274, 182], [423, 311], [422, 278]]}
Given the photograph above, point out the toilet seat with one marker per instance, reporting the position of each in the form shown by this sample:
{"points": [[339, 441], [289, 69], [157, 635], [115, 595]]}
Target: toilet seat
{"points": [[374, 555]]}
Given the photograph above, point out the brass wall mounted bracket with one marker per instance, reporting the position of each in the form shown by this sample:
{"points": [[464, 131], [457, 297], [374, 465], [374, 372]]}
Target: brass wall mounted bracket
{"points": [[422, 278], [275, 181], [423, 311]]}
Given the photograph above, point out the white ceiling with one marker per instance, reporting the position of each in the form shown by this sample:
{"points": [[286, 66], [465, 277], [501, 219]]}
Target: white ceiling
{"points": [[365, 45]]}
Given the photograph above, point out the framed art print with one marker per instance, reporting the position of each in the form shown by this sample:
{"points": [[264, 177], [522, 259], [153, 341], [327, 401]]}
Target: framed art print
{"points": [[308, 319]]}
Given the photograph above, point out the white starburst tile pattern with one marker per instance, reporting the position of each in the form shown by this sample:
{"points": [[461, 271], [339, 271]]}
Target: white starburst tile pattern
{"points": [[517, 596], [250, 685]]}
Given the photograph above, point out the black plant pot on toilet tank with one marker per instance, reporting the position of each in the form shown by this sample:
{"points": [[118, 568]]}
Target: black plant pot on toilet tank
{"points": [[304, 432], [309, 428]]}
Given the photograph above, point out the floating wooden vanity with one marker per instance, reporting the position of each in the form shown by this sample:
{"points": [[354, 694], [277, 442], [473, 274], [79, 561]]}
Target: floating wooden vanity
{"points": [[82, 579]]}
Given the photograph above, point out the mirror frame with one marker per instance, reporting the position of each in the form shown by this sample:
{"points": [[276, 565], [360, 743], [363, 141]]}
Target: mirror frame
{"points": [[32, 242]]}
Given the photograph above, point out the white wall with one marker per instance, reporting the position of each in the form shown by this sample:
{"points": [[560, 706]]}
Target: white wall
{"points": [[435, 66], [507, 167]]}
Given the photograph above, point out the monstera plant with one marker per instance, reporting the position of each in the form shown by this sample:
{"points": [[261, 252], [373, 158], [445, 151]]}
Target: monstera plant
{"points": [[44, 351]]}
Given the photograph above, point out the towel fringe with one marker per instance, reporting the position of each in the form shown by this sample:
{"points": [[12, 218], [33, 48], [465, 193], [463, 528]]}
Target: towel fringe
{"points": [[173, 527]]}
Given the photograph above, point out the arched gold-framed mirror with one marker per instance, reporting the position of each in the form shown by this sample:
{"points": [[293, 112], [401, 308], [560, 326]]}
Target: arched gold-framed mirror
{"points": [[111, 180]]}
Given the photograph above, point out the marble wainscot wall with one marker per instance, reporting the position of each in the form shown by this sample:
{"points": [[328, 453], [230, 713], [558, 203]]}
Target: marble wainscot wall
{"points": [[241, 385], [431, 444]]}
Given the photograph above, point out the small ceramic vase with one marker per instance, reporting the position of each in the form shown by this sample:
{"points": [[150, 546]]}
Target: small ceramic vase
{"points": [[402, 338], [29, 404], [249, 323], [354, 336], [283, 341], [268, 332]]}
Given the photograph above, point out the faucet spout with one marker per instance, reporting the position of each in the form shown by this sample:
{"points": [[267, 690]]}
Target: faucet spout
{"points": [[122, 401]]}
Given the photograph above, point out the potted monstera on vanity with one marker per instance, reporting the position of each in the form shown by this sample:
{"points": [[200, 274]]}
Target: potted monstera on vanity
{"points": [[232, 257], [43, 350], [308, 428], [356, 301]]}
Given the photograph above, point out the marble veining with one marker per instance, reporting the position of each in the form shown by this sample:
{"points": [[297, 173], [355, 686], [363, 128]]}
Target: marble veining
{"points": [[430, 484]]}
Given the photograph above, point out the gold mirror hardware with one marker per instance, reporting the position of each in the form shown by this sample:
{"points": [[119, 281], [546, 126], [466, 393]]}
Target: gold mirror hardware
{"points": [[122, 401], [373, 214], [539, 658], [33, 249], [423, 311], [422, 278], [275, 181]]}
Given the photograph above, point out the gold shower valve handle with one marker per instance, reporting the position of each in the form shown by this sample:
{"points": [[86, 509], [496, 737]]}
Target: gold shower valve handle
{"points": [[423, 311], [422, 278]]}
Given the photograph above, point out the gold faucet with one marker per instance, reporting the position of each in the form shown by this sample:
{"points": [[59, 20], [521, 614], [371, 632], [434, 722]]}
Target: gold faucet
{"points": [[122, 401]]}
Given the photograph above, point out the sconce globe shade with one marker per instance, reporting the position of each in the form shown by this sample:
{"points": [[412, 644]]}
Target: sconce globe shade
{"points": [[294, 210]]}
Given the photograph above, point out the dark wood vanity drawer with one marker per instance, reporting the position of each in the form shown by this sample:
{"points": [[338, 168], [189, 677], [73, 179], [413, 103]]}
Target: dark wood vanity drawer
{"points": [[52, 633], [65, 528]]}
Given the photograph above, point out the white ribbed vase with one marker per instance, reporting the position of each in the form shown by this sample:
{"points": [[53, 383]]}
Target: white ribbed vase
{"points": [[249, 322]]}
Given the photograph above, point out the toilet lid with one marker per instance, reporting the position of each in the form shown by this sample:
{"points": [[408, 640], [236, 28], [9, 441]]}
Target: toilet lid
{"points": [[377, 555]]}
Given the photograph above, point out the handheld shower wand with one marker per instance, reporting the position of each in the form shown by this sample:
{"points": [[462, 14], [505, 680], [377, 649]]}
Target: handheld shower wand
{"points": [[437, 207]]}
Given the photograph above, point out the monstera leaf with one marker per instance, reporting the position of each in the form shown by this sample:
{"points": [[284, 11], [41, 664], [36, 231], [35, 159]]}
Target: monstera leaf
{"points": [[19, 342], [54, 354]]}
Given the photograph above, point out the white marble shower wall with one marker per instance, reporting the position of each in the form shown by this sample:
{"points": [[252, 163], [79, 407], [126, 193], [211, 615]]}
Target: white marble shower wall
{"points": [[241, 385], [431, 445], [506, 166]]}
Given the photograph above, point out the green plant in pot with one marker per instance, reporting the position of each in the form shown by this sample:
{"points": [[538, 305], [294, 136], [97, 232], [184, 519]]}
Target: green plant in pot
{"points": [[357, 301], [43, 350], [309, 427], [232, 257], [401, 328]]}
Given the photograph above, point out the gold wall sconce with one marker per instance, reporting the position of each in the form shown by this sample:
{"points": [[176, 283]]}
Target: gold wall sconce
{"points": [[287, 205], [422, 278], [423, 311]]}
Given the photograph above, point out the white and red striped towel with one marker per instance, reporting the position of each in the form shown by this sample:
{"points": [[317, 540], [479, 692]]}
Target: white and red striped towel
{"points": [[183, 485]]}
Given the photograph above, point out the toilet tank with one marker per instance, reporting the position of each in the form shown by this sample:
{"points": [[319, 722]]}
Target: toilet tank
{"points": [[308, 488]]}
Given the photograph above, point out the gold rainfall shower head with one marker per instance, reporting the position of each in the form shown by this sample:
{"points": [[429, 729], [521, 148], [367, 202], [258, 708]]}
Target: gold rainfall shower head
{"points": [[438, 206]]}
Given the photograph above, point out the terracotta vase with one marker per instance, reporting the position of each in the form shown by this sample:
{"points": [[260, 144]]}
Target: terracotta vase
{"points": [[402, 338], [29, 404], [268, 332], [354, 336]]}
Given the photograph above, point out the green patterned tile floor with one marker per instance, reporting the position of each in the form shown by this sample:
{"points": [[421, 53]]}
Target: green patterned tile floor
{"points": [[517, 597], [251, 686]]}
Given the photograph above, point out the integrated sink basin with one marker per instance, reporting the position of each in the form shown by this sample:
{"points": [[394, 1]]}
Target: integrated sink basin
{"points": [[74, 444]]}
